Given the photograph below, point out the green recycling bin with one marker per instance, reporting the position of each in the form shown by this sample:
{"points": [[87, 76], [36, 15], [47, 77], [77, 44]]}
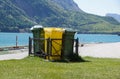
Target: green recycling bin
{"points": [[68, 44], [38, 44]]}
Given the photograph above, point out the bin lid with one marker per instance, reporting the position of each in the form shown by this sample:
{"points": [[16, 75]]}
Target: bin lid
{"points": [[36, 27]]}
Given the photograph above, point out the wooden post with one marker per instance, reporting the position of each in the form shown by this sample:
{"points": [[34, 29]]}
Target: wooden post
{"points": [[16, 41], [77, 45], [48, 47], [30, 46]]}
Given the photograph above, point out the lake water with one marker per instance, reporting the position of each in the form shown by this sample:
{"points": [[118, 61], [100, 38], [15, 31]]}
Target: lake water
{"points": [[97, 38], [9, 39]]}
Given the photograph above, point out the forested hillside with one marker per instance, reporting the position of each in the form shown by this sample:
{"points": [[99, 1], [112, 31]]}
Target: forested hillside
{"points": [[20, 15]]}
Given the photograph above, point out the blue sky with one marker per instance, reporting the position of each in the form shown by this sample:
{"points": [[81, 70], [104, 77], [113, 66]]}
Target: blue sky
{"points": [[99, 7]]}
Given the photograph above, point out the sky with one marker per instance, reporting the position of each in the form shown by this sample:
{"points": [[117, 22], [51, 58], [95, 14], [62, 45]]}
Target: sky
{"points": [[99, 7]]}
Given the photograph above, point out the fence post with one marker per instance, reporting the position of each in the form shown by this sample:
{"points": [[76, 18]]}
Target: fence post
{"points": [[16, 41], [30, 46], [48, 47], [77, 45]]}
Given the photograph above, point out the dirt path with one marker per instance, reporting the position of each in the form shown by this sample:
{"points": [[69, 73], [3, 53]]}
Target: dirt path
{"points": [[16, 54], [101, 50]]}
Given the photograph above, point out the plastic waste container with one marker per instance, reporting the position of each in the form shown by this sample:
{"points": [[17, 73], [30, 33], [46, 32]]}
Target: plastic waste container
{"points": [[38, 32], [55, 42], [68, 44]]}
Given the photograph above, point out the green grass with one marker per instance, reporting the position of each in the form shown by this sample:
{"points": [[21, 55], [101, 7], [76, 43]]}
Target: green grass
{"points": [[36, 68]]}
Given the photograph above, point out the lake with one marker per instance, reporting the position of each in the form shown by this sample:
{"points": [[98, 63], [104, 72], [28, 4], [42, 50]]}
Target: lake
{"points": [[9, 39], [97, 38]]}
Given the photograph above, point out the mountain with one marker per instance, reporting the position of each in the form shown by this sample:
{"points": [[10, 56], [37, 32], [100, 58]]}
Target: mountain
{"points": [[68, 5], [20, 15], [115, 16], [12, 18]]}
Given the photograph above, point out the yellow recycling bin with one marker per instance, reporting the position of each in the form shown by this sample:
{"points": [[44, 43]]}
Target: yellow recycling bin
{"points": [[55, 35]]}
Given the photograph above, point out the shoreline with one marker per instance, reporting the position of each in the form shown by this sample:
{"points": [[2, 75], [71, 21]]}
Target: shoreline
{"points": [[7, 48]]}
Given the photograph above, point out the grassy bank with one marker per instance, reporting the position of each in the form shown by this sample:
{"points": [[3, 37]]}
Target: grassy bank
{"points": [[36, 68]]}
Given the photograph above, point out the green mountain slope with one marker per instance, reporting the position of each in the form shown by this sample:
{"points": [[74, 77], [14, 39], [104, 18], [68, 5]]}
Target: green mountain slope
{"points": [[12, 18], [67, 5], [17, 15]]}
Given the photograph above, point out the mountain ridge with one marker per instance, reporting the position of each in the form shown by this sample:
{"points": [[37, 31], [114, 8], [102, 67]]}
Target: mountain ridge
{"points": [[68, 5], [114, 15]]}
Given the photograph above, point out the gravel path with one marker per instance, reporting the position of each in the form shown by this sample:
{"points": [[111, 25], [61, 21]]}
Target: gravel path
{"points": [[101, 50], [17, 54]]}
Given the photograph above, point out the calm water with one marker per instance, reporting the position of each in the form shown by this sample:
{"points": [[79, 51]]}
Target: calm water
{"points": [[97, 38], [9, 39]]}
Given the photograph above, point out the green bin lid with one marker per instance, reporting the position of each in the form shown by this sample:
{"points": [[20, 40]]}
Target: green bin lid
{"points": [[36, 27]]}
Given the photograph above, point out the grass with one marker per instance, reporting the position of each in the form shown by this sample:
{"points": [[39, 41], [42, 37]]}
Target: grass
{"points": [[36, 68]]}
